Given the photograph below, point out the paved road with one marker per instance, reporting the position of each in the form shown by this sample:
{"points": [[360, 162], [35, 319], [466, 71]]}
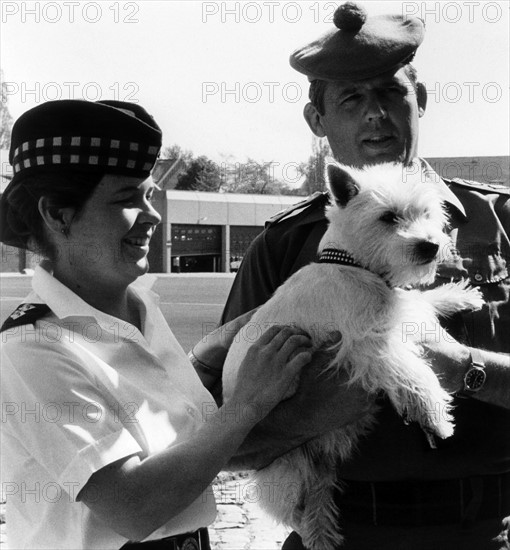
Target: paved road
{"points": [[192, 304]]}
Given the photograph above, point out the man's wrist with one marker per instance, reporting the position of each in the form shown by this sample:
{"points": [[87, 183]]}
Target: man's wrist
{"points": [[474, 376]]}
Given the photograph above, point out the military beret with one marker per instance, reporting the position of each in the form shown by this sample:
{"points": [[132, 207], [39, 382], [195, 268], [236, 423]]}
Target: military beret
{"points": [[105, 136], [360, 46]]}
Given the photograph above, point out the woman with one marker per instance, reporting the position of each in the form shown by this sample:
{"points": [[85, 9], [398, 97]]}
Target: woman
{"points": [[110, 436]]}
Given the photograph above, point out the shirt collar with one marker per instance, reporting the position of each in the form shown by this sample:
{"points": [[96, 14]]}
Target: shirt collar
{"points": [[432, 177], [63, 302]]}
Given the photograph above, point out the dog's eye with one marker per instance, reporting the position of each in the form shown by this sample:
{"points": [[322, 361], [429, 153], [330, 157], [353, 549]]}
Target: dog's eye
{"points": [[389, 217]]}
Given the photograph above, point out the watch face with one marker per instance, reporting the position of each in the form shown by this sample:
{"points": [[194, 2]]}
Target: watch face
{"points": [[475, 379]]}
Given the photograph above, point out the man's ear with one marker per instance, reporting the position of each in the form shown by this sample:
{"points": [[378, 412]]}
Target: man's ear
{"points": [[421, 96], [56, 219], [342, 185], [313, 119]]}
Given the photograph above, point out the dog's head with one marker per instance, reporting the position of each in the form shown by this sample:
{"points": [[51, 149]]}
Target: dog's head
{"points": [[390, 219]]}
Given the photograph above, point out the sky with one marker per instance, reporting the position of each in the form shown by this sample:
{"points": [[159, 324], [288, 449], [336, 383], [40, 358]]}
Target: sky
{"points": [[216, 76]]}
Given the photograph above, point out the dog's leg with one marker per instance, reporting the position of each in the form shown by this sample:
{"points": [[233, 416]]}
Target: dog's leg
{"points": [[418, 395], [319, 526], [282, 487], [452, 297]]}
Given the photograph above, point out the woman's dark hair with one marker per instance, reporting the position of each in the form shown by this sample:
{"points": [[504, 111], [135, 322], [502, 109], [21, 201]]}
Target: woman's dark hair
{"points": [[63, 189], [318, 88]]}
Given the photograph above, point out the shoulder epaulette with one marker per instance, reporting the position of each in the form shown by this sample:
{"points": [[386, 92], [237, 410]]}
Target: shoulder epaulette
{"points": [[477, 185], [25, 314], [313, 201]]}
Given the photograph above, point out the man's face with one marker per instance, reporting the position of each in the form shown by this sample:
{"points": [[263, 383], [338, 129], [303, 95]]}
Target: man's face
{"points": [[371, 121]]}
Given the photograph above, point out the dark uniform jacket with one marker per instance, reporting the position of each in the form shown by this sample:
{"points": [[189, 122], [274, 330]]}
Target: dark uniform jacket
{"points": [[393, 450]]}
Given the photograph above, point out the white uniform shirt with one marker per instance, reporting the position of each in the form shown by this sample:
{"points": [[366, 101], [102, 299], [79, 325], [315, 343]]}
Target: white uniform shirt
{"points": [[81, 390]]}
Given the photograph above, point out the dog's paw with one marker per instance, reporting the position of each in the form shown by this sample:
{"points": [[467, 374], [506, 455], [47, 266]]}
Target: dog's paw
{"points": [[473, 299], [452, 297], [432, 410], [318, 539]]}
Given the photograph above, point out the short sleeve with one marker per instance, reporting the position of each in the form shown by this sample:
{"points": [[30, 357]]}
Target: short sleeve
{"points": [[56, 410]]}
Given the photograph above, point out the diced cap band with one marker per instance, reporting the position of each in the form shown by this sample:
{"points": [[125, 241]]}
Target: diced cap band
{"points": [[75, 136]]}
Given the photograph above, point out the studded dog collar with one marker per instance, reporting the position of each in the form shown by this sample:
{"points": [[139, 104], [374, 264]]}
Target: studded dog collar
{"points": [[342, 257]]}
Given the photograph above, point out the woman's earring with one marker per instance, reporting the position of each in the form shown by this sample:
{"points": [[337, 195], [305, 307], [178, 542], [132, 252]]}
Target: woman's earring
{"points": [[65, 230]]}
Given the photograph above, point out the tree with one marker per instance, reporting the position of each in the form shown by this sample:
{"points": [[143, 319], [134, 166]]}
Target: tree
{"points": [[175, 151], [5, 116], [202, 175], [255, 178], [315, 168]]}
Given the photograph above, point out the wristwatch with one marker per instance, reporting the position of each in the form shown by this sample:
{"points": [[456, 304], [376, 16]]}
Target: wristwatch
{"points": [[475, 376]]}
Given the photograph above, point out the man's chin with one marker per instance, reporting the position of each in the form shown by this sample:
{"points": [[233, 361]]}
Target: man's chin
{"points": [[386, 156]]}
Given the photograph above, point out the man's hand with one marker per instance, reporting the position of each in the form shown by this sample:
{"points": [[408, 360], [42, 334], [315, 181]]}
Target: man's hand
{"points": [[503, 537], [323, 402], [212, 350], [208, 355]]}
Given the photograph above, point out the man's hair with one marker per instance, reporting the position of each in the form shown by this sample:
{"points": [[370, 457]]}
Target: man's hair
{"points": [[318, 88], [63, 189]]}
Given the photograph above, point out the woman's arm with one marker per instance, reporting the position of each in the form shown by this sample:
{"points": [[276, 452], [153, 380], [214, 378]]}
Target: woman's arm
{"points": [[135, 496]]}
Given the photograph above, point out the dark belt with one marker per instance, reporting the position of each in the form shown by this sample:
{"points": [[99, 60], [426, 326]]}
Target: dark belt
{"points": [[427, 502], [198, 540]]}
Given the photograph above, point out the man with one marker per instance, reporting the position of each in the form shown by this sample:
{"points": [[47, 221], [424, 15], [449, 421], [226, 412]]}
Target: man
{"points": [[399, 492]]}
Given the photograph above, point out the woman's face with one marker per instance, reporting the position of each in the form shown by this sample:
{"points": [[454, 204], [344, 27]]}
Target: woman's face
{"points": [[108, 239]]}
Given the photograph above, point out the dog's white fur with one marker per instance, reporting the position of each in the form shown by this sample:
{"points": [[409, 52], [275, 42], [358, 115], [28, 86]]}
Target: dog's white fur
{"points": [[380, 325]]}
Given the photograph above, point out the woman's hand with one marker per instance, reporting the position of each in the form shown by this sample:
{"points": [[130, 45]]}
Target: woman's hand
{"points": [[137, 495], [270, 370]]}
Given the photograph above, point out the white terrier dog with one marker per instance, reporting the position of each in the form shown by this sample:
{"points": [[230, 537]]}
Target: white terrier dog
{"points": [[384, 233]]}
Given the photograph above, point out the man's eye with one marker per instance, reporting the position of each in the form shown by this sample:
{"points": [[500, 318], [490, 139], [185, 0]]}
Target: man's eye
{"points": [[396, 90]]}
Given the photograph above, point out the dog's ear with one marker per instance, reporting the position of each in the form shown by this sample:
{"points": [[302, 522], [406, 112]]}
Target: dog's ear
{"points": [[342, 184]]}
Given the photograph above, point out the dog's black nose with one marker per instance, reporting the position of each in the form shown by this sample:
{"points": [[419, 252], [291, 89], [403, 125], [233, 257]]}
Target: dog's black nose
{"points": [[427, 250]]}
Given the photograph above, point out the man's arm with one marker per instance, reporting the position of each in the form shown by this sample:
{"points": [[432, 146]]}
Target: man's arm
{"points": [[496, 389], [451, 360]]}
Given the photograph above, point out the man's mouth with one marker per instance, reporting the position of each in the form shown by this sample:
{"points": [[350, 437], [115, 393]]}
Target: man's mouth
{"points": [[379, 141]]}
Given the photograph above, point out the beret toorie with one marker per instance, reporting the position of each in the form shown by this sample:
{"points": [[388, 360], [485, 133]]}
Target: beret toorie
{"points": [[360, 46]]}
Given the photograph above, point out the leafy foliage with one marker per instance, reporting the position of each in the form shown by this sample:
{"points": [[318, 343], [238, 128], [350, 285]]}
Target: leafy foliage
{"points": [[315, 168], [5, 116]]}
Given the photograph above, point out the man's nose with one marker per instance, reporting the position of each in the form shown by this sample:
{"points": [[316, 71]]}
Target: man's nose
{"points": [[375, 108]]}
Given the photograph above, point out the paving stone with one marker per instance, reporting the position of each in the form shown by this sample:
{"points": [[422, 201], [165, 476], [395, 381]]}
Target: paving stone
{"points": [[240, 525]]}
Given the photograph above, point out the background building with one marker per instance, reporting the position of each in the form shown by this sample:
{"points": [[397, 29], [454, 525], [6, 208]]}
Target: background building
{"points": [[210, 232]]}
